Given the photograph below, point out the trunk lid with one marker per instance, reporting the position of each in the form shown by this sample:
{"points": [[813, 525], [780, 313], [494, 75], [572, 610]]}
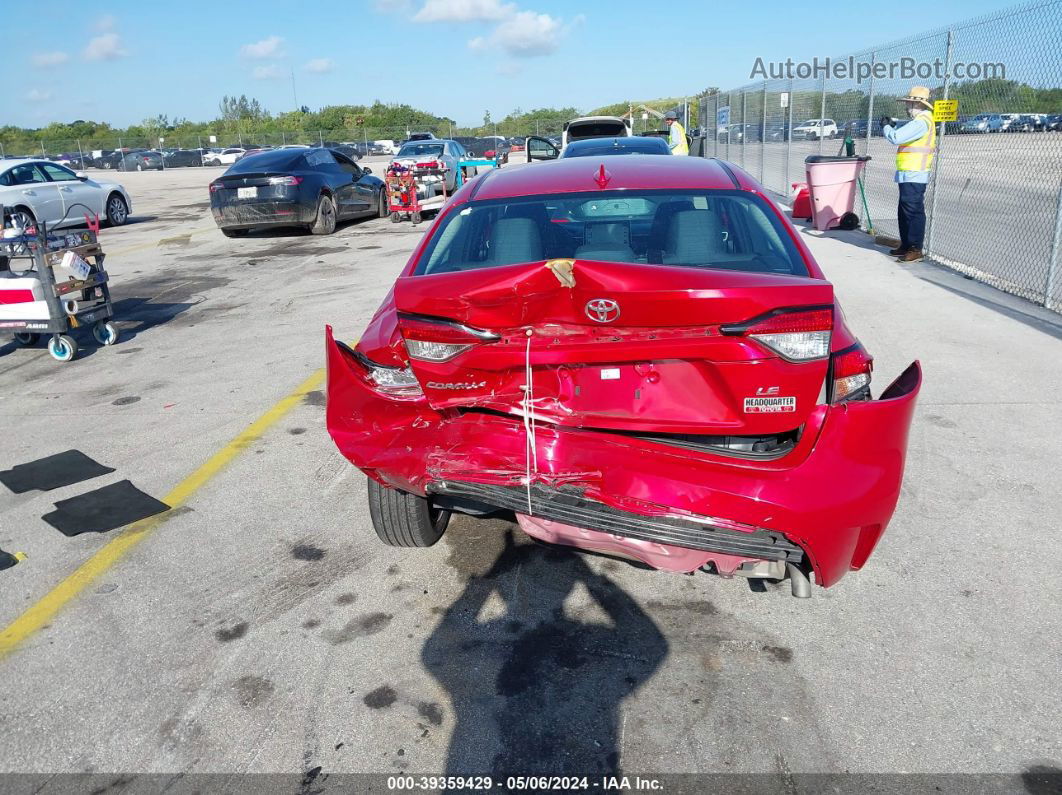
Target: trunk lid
{"points": [[627, 347]]}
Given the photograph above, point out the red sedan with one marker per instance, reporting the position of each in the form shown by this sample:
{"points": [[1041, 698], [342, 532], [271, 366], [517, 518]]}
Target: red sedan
{"points": [[636, 356]]}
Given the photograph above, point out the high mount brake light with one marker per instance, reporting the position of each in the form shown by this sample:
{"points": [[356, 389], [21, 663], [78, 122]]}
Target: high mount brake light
{"points": [[438, 339], [799, 334], [850, 374]]}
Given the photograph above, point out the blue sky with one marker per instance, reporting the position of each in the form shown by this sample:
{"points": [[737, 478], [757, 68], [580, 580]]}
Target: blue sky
{"points": [[124, 61]]}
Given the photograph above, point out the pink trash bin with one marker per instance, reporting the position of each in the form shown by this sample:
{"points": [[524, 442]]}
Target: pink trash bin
{"points": [[832, 183]]}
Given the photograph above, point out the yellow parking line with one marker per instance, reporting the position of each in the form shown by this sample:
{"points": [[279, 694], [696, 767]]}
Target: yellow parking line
{"points": [[117, 548]]}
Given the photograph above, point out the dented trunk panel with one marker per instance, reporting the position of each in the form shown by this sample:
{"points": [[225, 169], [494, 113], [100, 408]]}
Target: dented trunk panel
{"points": [[660, 365]]}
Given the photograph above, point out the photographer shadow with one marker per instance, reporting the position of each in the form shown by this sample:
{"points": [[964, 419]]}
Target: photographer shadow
{"points": [[536, 684]]}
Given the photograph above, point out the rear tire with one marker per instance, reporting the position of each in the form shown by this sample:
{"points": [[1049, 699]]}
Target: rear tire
{"points": [[326, 217], [402, 519], [383, 210]]}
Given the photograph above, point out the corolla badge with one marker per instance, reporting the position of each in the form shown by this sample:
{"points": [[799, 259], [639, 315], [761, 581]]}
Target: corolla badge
{"points": [[602, 310]]}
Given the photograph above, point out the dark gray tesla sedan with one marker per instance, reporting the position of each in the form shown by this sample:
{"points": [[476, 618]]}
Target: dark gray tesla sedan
{"points": [[313, 188]]}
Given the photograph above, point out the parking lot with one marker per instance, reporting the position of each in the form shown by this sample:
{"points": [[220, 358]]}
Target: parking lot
{"points": [[260, 626]]}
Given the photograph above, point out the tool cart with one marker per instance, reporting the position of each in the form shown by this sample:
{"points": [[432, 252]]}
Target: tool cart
{"points": [[52, 283], [414, 190]]}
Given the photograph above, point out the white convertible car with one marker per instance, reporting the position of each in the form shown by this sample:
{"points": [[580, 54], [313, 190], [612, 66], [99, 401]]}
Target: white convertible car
{"points": [[40, 190]]}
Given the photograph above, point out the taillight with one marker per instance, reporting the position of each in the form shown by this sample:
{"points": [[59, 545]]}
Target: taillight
{"points": [[398, 382], [798, 334], [438, 340], [216, 186], [285, 180], [850, 371], [429, 164]]}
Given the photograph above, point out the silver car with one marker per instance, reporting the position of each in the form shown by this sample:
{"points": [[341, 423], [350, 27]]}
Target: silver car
{"points": [[40, 190], [414, 154]]}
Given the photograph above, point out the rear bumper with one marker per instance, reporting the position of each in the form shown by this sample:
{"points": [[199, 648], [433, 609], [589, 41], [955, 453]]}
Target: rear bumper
{"points": [[248, 214], [830, 499]]}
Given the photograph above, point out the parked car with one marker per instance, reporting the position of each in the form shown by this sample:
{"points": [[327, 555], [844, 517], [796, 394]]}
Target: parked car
{"points": [[144, 160], [1053, 122], [607, 147], [1009, 122], [594, 127], [226, 157], [314, 188], [1028, 122], [431, 154], [494, 149], [181, 158], [420, 136], [857, 128], [349, 150], [699, 400], [776, 131], [744, 133], [983, 123], [814, 129], [384, 147], [39, 190], [113, 160], [258, 149]]}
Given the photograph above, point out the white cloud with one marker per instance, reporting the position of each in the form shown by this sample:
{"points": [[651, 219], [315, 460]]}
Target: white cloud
{"points": [[266, 48], [36, 95], [526, 34], [464, 11], [320, 66], [267, 73], [105, 48], [47, 59], [105, 23]]}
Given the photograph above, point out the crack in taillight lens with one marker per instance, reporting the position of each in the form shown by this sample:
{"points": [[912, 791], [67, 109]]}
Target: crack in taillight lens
{"points": [[851, 372], [799, 334]]}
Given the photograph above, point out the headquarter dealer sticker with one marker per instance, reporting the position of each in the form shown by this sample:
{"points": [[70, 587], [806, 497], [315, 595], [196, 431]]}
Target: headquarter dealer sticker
{"points": [[770, 405]]}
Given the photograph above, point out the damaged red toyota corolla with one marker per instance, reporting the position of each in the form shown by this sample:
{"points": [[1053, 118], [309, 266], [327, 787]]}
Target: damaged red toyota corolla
{"points": [[638, 357]]}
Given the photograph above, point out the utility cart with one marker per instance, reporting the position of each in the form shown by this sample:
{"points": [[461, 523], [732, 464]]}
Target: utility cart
{"points": [[52, 283], [415, 190]]}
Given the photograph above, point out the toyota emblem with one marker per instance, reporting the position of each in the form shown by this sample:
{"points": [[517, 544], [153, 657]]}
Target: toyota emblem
{"points": [[602, 310]]}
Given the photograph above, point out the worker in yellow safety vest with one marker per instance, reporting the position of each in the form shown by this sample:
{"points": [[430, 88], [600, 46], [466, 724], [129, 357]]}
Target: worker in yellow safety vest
{"points": [[677, 140], [916, 143]]}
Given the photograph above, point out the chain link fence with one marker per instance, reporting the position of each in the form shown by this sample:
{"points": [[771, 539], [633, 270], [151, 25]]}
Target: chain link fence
{"points": [[995, 197]]}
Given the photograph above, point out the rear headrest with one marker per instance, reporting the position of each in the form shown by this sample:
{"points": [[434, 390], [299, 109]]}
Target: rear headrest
{"points": [[694, 236], [515, 240]]}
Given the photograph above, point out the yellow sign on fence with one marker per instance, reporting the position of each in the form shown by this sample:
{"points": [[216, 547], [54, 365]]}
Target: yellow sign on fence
{"points": [[946, 110]]}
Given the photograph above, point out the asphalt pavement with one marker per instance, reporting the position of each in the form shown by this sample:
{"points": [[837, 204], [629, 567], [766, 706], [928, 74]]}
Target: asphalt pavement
{"points": [[261, 627]]}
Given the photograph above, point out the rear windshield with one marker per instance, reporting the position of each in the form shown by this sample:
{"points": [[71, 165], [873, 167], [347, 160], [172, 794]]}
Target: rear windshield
{"points": [[596, 129], [273, 159], [729, 230], [618, 146], [418, 150]]}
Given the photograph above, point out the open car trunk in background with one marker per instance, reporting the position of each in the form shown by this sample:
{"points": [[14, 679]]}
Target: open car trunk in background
{"points": [[658, 364]]}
